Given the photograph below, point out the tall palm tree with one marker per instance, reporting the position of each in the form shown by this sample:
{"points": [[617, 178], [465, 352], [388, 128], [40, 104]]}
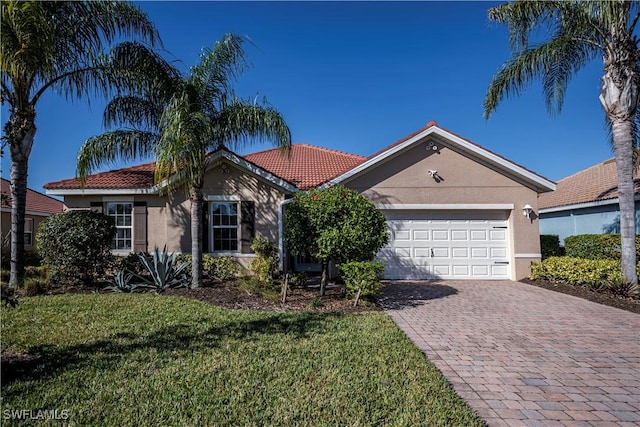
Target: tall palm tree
{"points": [[199, 114], [63, 46], [579, 32]]}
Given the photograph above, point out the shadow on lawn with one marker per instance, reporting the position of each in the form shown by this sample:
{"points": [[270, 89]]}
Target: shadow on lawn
{"points": [[48, 361], [399, 295]]}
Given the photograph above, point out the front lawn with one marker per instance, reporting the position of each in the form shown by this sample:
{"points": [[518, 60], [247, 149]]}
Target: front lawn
{"points": [[140, 359]]}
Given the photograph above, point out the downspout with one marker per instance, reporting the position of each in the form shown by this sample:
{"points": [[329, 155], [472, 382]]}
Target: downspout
{"points": [[281, 206]]}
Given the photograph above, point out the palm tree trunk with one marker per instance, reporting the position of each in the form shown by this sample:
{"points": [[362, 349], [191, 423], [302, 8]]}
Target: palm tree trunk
{"points": [[19, 130], [325, 277], [196, 237], [623, 148]]}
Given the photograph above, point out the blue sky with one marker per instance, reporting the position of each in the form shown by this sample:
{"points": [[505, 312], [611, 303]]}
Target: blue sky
{"points": [[357, 77]]}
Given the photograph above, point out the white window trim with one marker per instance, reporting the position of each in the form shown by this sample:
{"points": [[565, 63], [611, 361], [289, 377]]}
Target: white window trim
{"points": [[225, 199], [115, 202], [30, 232]]}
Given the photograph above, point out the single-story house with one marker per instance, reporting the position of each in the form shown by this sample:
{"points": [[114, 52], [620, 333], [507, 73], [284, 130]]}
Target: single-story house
{"points": [[585, 203], [455, 210], [39, 206]]}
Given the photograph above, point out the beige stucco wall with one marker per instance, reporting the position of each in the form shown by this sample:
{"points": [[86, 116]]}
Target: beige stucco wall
{"points": [[169, 217], [5, 227], [404, 179]]}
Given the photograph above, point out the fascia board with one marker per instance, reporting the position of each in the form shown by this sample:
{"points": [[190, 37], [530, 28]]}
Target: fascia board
{"points": [[585, 205]]}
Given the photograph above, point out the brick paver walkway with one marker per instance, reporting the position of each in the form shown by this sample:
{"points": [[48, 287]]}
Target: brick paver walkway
{"points": [[525, 356]]}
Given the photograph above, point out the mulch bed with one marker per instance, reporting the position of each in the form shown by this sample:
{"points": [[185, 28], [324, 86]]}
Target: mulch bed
{"points": [[624, 303], [307, 299]]}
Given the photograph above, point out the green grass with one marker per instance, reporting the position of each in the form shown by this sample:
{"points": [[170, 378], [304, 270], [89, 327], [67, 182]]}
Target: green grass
{"points": [[139, 359]]}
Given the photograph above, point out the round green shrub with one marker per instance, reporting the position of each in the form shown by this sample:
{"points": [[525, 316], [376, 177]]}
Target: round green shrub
{"points": [[75, 246]]}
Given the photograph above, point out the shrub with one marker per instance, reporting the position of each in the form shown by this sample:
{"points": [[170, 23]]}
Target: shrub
{"points": [[596, 246], [334, 224], [75, 245], [215, 267], [598, 275], [265, 267], [362, 278], [550, 246]]}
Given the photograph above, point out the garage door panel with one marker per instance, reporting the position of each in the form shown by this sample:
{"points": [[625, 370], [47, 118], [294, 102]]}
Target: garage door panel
{"points": [[460, 252], [422, 253], [498, 235], [439, 252], [471, 245], [421, 235], [459, 234], [498, 253], [479, 235], [440, 234], [461, 270]]}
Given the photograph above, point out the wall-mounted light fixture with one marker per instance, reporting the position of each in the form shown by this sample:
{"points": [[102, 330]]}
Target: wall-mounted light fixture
{"points": [[434, 174], [527, 210]]}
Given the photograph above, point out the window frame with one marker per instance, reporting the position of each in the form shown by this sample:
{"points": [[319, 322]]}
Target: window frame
{"points": [[28, 232], [114, 246], [230, 200]]}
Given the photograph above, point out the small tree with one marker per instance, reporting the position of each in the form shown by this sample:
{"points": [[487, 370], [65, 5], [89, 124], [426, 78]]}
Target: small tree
{"points": [[75, 245], [334, 224]]}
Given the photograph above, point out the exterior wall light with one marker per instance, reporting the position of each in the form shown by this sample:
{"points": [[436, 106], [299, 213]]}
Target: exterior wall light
{"points": [[527, 210]]}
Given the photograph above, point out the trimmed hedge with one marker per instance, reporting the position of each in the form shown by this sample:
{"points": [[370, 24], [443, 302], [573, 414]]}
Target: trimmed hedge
{"points": [[595, 274], [596, 246], [550, 245]]}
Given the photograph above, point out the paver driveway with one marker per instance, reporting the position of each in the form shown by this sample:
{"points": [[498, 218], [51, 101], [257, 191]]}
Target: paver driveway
{"points": [[523, 355]]}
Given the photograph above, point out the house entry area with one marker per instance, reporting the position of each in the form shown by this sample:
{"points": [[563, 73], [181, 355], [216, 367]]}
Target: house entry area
{"points": [[446, 245]]}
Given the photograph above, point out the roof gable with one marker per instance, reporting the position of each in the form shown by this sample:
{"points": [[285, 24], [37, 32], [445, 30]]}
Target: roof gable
{"points": [[435, 135], [595, 184], [37, 203]]}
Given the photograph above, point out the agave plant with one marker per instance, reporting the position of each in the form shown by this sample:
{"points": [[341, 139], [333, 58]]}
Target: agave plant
{"points": [[123, 282], [165, 270]]}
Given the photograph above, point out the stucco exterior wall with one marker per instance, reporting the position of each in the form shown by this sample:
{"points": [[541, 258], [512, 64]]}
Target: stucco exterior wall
{"points": [[169, 216], [5, 227], [462, 181]]}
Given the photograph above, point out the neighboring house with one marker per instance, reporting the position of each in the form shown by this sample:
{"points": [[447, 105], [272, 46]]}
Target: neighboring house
{"points": [[454, 209], [585, 203], [39, 206]]}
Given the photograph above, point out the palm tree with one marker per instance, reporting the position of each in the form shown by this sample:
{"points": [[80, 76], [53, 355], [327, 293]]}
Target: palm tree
{"points": [[62, 46], [199, 114], [579, 32]]}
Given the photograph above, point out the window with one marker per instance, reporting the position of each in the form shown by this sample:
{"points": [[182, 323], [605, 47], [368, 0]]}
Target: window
{"points": [[28, 231], [122, 213], [224, 223]]}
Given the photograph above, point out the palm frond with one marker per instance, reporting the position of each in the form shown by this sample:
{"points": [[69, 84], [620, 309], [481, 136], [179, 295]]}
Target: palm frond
{"points": [[110, 147], [244, 121]]}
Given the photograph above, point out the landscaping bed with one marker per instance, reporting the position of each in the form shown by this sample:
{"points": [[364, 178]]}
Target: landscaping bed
{"points": [[624, 303]]}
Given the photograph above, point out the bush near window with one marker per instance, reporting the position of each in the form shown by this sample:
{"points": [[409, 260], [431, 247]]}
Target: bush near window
{"points": [[596, 246], [221, 268], [75, 246], [265, 266], [362, 278], [550, 245], [595, 274]]}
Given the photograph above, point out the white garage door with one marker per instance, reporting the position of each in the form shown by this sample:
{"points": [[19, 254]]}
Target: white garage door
{"points": [[446, 245]]}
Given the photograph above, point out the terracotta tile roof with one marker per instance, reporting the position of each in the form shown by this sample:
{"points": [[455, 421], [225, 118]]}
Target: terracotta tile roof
{"points": [[140, 176], [308, 166], [36, 202], [596, 183]]}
